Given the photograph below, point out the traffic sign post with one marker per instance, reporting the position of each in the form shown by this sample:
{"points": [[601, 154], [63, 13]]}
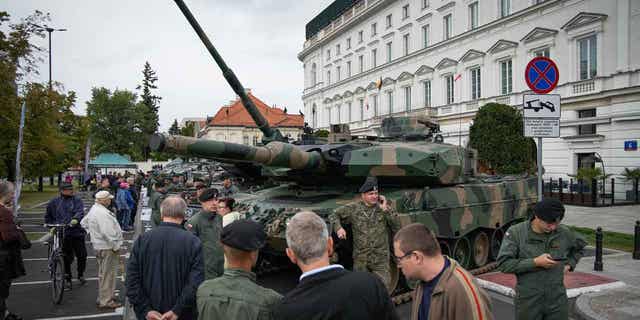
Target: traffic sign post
{"points": [[541, 110]]}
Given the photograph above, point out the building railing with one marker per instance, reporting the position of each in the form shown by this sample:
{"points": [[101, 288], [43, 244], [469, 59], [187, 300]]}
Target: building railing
{"points": [[584, 87], [594, 193]]}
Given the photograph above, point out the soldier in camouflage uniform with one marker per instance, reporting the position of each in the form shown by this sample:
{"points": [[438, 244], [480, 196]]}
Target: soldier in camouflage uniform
{"points": [[236, 295], [371, 219], [207, 225], [539, 251], [155, 200]]}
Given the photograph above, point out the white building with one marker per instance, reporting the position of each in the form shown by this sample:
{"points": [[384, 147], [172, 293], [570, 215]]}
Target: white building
{"points": [[447, 58]]}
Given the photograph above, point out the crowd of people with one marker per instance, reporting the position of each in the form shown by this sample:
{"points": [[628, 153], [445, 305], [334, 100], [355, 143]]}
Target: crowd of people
{"points": [[201, 267]]}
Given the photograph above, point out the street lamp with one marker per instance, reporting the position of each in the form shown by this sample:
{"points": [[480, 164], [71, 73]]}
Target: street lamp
{"points": [[598, 158], [50, 31]]}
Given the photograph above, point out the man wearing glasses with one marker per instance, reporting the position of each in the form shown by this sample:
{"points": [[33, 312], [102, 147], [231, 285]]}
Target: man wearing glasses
{"points": [[207, 225], [445, 290]]}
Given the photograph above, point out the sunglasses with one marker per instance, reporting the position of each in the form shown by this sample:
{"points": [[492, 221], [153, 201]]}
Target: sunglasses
{"points": [[399, 259]]}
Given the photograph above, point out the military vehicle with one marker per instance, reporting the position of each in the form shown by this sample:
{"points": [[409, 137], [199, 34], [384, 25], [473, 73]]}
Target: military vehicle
{"points": [[427, 181]]}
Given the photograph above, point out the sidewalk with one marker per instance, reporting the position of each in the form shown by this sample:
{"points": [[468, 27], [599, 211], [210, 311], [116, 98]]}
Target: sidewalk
{"points": [[620, 219]]}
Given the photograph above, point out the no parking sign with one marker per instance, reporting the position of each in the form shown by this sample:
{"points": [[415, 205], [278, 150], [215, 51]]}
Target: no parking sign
{"points": [[541, 75]]}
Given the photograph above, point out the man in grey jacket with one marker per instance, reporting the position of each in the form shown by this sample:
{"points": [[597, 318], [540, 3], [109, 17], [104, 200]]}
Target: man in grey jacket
{"points": [[106, 238]]}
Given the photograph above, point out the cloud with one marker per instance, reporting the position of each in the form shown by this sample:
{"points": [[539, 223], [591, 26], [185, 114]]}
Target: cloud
{"points": [[108, 42]]}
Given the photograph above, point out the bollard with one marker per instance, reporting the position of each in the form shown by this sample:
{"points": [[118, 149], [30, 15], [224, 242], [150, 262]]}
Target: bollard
{"points": [[597, 264], [613, 190], [560, 190], [636, 241], [571, 190]]}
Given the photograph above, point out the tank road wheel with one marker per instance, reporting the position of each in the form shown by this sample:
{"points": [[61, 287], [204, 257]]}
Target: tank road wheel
{"points": [[496, 242], [445, 248], [462, 252], [480, 249]]}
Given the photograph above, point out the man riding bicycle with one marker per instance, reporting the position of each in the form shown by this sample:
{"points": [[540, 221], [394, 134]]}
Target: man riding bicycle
{"points": [[68, 209]]}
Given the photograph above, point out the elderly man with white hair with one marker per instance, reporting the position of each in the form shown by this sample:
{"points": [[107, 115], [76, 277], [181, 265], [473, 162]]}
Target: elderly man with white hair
{"points": [[328, 291], [106, 238]]}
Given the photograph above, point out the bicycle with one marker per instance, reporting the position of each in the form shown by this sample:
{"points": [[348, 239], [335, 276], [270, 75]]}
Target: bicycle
{"points": [[55, 258]]}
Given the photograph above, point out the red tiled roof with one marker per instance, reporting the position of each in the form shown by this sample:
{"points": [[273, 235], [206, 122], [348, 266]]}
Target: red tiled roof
{"points": [[237, 115]]}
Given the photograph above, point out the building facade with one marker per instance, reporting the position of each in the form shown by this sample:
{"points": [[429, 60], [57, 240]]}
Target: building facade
{"points": [[198, 124], [232, 123], [366, 59]]}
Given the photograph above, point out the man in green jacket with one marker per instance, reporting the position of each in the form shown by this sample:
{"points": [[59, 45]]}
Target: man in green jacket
{"points": [[371, 219], [154, 202], [235, 295], [539, 252], [207, 225]]}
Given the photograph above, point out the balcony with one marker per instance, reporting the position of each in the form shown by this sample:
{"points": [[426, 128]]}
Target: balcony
{"points": [[584, 87], [504, 100]]}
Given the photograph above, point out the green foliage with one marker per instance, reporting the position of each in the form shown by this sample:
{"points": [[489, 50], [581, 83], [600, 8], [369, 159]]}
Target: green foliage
{"points": [[321, 133], [610, 239], [174, 129], [147, 109], [497, 135], [631, 174], [189, 130], [588, 174]]}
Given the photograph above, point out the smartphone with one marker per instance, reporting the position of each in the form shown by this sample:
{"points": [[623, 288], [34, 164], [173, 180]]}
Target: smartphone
{"points": [[558, 258]]}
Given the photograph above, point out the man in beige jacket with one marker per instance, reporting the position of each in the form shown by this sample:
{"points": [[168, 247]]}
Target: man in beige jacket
{"points": [[106, 238], [445, 289]]}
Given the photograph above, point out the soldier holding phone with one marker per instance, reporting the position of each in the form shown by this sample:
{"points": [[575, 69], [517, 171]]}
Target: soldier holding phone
{"points": [[539, 252], [371, 219]]}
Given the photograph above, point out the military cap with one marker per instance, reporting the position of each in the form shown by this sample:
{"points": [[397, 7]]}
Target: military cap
{"points": [[160, 184], [245, 235], [549, 210], [208, 194], [66, 186], [371, 184]]}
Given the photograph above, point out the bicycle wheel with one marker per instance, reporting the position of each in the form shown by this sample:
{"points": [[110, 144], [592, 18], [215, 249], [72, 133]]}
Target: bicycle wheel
{"points": [[57, 278]]}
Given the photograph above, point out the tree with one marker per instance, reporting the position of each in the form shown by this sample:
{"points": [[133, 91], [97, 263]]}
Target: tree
{"points": [[188, 130], [174, 129], [147, 109], [497, 135]]}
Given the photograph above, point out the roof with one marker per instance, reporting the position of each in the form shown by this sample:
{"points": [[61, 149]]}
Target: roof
{"points": [[327, 15], [236, 115], [111, 160]]}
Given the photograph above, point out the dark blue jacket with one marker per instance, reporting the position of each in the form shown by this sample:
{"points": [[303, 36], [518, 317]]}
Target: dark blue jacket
{"points": [[164, 271], [62, 210]]}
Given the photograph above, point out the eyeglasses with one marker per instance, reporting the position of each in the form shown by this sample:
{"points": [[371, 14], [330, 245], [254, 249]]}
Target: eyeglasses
{"points": [[399, 259]]}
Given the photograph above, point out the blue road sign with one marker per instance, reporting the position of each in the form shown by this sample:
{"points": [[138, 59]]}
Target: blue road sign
{"points": [[541, 75], [631, 145]]}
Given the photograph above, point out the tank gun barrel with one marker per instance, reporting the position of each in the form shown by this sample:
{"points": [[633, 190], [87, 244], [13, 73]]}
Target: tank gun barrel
{"points": [[270, 134], [276, 154]]}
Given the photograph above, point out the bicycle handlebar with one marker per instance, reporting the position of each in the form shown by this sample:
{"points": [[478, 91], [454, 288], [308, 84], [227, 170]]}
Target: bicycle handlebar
{"points": [[56, 225]]}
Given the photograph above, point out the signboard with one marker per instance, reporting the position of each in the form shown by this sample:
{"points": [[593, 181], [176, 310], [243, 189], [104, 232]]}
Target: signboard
{"points": [[541, 115], [631, 145], [541, 75]]}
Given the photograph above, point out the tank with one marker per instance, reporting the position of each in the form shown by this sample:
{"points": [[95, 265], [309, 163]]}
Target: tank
{"points": [[425, 180]]}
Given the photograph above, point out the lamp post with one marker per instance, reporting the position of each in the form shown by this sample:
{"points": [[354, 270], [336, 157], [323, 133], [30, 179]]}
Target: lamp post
{"points": [[598, 158]]}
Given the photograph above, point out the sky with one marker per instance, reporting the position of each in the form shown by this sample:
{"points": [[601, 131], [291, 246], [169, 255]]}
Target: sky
{"points": [[108, 42]]}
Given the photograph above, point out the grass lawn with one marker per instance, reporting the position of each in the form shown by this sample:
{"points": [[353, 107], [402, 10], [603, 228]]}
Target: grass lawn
{"points": [[35, 235], [29, 199], [611, 240]]}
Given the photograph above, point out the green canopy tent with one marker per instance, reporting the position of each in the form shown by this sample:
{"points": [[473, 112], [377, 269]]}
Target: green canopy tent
{"points": [[111, 161]]}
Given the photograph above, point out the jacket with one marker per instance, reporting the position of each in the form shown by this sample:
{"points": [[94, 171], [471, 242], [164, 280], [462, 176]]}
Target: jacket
{"points": [[235, 295], [456, 296], [122, 199], [62, 210], [337, 294], [164, 271], [11, 263], [103, 227], [207, 226], [155, 200]]}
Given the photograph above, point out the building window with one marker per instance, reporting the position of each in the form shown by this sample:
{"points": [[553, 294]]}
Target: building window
{"points": [[425, 4], [506, 80], [360, 64], [374, 29], [245, 140], [475, 84], [425, 36], [360, 36], [313, 75], [389, 46], [375, 105], [328, 54], [473, 15], [542, 53], [390, 101], [314, 120], [407, 98], [348, 69], [587, 128], [361, 103], [586, 160], [348, 43], [405, 44], [505, 8], [348, 111], [338, 73], [446, 22], [337, 49], [374, 58], [449, 88], [328, 112], [255, 138], [588, 57], [405, 12], [427, 93], [328, 76], [389, 20]]}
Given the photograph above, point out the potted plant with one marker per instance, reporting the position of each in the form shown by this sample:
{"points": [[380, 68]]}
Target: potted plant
{"points": [[587, 175], [631, 175]]}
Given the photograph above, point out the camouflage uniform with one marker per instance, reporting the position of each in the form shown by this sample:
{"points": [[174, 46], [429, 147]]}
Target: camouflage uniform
{"points": [[235, 295], [371, 227], [154, 202], [540, 293], [208, 226]]}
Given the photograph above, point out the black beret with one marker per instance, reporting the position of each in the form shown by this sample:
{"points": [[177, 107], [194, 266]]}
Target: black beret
{"points": [[66, 186], [371, 184], [208, 194], [245, 235], [549, 210], [160, 184]]}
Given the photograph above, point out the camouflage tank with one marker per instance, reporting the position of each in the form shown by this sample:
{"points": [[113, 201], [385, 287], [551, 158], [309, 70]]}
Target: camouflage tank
{"points": [[427, 181]]}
